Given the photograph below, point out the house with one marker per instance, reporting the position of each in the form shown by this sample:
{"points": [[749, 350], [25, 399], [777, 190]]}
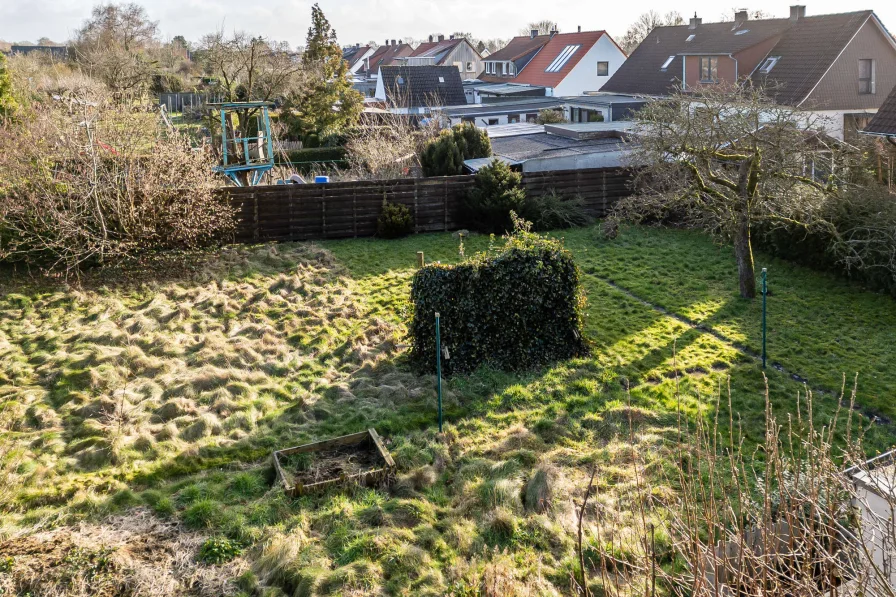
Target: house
{"points": [[419, 89], [875, 502], [56, 52], [387, 55], [564, 63], [457, 52], [599, 107], [884, 122], [512, 58], [836, 65], [356, 56], [536, 148]]}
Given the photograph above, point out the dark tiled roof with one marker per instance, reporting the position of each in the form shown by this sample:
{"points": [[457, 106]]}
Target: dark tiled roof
{"points": [[421, 86], [884, 122], [807, 48], [807, 51], [519, 47]]}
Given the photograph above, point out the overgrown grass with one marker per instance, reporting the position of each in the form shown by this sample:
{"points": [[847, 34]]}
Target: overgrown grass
{"points": [[173, 394]]}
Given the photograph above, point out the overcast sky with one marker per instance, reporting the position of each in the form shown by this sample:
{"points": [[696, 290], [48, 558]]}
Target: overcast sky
{"points": [[363, 20]]}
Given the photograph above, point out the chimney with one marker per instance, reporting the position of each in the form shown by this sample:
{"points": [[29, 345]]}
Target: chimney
{"points": [[387, 42], [431, 38], [580, 28], [554, 32], [695, 21], [452, 36], [534, 33], [441, 38], [394, 42], [797, 12], [741, 17]]}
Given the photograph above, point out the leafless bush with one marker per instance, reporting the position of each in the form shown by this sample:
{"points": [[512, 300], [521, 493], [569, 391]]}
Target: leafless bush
{"points": [[85, 181], [798, 513]]}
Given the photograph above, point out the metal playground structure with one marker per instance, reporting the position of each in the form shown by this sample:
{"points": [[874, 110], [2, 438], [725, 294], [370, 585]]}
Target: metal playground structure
{"points": [[245, 158]]}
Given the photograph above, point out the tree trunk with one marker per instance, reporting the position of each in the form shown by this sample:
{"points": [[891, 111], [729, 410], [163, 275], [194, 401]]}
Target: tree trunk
{"points": [[743, 252]]}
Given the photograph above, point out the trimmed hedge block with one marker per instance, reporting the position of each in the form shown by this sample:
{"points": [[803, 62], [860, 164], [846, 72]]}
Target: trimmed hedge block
{"points": [[519, 308]]}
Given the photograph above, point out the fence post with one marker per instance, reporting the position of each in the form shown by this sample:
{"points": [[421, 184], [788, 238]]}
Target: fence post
{"points": [[323, 210], [292, 233], [355, 211], [256, 227], [416, 218], [445, 201]]}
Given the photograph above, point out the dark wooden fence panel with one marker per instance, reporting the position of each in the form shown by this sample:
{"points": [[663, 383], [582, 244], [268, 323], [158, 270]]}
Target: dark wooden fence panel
{"points": [[351, 209], [601, 188]]}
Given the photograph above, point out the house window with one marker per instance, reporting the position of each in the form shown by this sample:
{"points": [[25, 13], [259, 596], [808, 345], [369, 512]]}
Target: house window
{"points": [[513, 119], [532, 118], [469, 67], [769, 64], [492, 121], [690, 38], [441, 79], [709, 69], [603, 69], [866, 76], [667, 63], [560, 61]]}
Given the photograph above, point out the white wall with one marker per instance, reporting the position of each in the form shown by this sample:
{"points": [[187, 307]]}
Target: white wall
{"points": [[583, 76], [879, 540], [833, 119], [357, 66]]}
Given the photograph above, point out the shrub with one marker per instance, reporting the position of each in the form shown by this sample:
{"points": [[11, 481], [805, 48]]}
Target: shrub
{"points": [[310, 159], [549, 116], [445, 155], [496, 192], [552, 211], [517, 308], [72, 195], [219, 550], [858, 242], [395, 221]]}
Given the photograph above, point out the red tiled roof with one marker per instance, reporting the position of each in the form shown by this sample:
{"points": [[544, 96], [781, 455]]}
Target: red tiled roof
{"points": [[534, 73], [387, 55], [519, 47], [436, 48]]}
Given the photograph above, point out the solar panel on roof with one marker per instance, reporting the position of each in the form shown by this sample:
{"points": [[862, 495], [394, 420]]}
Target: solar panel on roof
{"points": [[562, 59]]}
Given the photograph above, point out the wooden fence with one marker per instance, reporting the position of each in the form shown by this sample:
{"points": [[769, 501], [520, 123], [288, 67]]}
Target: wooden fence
{"points": [[351, 209]]}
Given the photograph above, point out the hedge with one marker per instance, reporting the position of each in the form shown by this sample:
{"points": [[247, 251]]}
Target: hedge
{"points": [[519, 308], [306, 159]]}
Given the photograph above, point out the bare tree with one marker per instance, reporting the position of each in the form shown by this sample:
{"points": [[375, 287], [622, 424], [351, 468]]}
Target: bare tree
{"points": [[646, 23], [726, 160], [544, 27], [755, 14], [112, 47]]}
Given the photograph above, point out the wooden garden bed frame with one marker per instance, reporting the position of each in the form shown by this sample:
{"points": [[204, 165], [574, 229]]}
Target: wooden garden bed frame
{"points": [[369, 440]]}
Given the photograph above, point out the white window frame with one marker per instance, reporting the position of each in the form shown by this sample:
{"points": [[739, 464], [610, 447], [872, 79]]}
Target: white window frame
{"points": [[769, 64], [666, 64]]}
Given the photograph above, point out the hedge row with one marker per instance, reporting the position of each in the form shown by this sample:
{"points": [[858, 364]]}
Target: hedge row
{"points": [[519, 308]]}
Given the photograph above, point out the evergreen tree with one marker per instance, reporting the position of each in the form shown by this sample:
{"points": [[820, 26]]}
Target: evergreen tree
{"points": [[496, 192], [329, 85], [445, 155], [7, 101]]}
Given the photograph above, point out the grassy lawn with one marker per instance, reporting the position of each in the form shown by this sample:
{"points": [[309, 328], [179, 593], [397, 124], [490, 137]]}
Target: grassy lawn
{"points": [[161, 402]]}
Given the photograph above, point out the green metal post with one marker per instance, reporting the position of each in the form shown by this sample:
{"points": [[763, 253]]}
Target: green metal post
{"points": [[764, 312], [439, 368]]}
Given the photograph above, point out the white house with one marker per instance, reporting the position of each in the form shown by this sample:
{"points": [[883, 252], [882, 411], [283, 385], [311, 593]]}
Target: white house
{"points": [[567, 64]]}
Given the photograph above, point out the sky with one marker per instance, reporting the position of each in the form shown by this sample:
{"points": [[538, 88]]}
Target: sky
{"points": [[359, 21]]}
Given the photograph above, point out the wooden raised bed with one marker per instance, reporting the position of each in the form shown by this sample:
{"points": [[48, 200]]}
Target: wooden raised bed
{"points": [[358, 459]]}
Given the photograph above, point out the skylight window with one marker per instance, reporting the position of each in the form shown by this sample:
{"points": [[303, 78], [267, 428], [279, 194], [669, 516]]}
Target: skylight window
{"points": [[742, 31], [441, 79], [667, 63], [769, 64], [691, 37], [560, 61]]}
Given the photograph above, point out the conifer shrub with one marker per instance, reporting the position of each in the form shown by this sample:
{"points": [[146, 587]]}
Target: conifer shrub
{"points": [[519, 307], [445, 155], [496, 192], [395, 221]]}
